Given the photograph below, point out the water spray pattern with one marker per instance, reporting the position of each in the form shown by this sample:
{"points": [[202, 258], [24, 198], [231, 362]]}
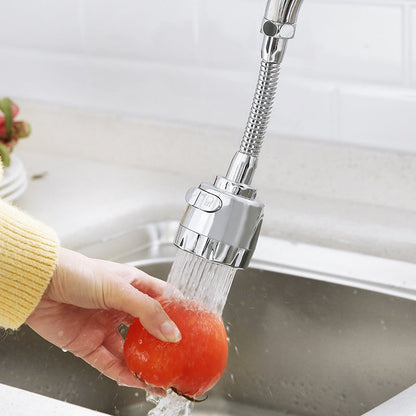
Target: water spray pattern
{"points": [[199, 279], [194, 278]]}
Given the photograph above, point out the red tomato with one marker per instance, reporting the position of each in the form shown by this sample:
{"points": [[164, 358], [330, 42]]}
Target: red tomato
{"points": [[193, 365]]}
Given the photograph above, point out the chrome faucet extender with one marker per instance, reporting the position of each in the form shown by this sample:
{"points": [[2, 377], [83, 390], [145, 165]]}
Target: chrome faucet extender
{"points": [[222, 221]]}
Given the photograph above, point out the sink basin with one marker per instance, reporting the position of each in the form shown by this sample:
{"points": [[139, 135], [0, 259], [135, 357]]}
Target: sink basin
{"points": [[302, 341]]}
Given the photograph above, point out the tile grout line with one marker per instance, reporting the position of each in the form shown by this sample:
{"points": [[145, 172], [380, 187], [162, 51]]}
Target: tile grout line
{"points": [[367, 2], [337, 113], [196, 25], [82, 24], [410, 42], [406, 45]]}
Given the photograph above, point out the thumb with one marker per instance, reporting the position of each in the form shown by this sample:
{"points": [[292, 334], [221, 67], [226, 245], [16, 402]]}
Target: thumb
{"points": [[126, 298]]}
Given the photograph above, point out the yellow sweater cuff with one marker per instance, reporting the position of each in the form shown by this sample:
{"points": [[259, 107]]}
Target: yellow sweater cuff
{"points": [[28, 255]]}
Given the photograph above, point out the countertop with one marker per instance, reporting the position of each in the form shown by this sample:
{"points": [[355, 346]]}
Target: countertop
{"points": [[17, 402], [86, 200]]}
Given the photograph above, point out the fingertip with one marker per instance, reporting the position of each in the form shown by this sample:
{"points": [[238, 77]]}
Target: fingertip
{"points": [[151, 314], [170, 332]]}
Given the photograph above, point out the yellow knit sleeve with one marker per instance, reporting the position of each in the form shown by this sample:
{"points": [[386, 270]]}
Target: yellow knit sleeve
{"points": [[28, 255]]}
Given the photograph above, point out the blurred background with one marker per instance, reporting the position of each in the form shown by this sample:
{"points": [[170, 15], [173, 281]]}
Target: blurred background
{"points": [[349, 75]]}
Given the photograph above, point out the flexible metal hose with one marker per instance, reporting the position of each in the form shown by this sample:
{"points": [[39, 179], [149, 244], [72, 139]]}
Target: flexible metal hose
{"points": [[260, 109]]}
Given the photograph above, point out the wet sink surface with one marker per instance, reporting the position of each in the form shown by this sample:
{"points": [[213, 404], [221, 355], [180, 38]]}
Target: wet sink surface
{"points": [[298, 347]]}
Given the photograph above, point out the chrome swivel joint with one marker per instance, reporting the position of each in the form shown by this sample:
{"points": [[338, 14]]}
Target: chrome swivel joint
{"points": [[279, 25], [222, 222]]}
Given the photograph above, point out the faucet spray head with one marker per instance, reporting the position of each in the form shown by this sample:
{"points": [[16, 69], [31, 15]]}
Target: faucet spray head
{"points": [[222, 221]]}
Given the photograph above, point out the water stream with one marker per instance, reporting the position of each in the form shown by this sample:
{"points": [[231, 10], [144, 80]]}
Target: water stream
{"points": [[193, 277], [197, 278]]}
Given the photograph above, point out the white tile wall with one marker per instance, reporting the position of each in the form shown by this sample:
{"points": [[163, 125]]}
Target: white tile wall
{"points": [[159, 30], [228, 33], [43, 24], [305, 107], [375, 119], [349, 74], [349, 40], [413, 43]]}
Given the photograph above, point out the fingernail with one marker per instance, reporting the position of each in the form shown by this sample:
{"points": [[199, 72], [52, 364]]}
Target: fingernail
{"points": [[170, 331]]}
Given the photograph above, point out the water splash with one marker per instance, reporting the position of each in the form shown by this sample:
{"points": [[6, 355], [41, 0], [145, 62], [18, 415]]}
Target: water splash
{"points": [[170, 405], [194, 278]]}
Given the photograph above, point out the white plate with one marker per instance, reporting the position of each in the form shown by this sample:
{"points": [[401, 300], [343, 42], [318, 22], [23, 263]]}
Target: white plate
{"points": [[12, 172], [14, 181], [14, 186], [13, 197], [16, 193]]}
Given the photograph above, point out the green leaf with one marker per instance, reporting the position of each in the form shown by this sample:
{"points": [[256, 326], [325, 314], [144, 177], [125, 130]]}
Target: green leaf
{"points": [[6, 108], [4, 155]]}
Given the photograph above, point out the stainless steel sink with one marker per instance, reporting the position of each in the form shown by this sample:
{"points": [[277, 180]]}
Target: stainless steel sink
{"points": [[299, 345]]}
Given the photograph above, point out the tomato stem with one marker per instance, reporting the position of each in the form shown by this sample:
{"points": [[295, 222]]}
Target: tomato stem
{"points": [[138, 378], [199, 400], [192, 399], [122, 330]]}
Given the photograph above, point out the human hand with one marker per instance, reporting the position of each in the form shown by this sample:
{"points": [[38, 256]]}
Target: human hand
{"points": [[86, 301]]}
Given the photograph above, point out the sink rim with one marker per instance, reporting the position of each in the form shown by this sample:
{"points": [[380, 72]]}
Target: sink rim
{"points": [[154, 243], [294, 258]]}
